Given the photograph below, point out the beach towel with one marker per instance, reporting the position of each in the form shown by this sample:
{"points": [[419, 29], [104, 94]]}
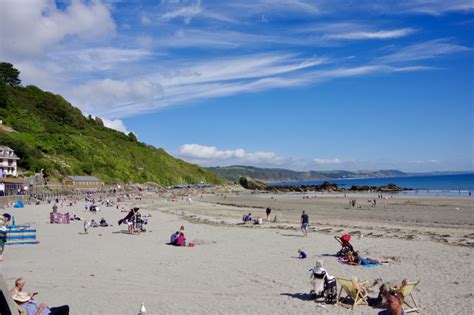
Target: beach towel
{"points": [[371, 265], [343, 261]]}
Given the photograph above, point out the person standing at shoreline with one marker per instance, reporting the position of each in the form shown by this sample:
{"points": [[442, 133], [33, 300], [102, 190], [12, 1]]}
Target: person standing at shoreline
{"points": [[304, 223], [268, 212]]}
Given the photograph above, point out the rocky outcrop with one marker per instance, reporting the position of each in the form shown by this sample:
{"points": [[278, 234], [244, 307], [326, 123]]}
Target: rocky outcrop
{"points": [[326, 186], [386, 188], [331, 187]]}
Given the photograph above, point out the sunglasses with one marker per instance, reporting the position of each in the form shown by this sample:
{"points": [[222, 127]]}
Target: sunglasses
{"points": [[395, 293]]}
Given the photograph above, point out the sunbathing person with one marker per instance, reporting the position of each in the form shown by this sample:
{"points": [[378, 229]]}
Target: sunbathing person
{"points": [[247, 218], [18, 288], [353, 258], [31, 307]]}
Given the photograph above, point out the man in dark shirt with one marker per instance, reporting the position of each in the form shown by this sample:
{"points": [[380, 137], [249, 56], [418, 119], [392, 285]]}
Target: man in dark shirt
{"points": [[304, 224]]}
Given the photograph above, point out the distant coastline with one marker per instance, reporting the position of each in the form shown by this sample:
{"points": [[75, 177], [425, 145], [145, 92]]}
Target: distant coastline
{"points": [[448, 184], [279, 175]]}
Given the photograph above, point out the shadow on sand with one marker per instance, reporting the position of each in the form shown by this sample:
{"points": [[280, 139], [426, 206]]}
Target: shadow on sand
{"points": [[293, 235], [299, 296]]}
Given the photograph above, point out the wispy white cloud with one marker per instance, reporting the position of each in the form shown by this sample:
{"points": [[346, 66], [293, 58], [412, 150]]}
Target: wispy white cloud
{"points": [[103, 96], [334, 161], [186, 12], [195, 9], [437, 7], [274, 7], [97, 58], [382, 34], [425, 50]]}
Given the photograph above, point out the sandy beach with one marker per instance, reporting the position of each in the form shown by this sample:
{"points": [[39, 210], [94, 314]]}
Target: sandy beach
{"points": [[245, 269]]}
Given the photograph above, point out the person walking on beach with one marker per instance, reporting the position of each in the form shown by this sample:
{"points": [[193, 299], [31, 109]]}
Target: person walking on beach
{"points": [[304, 224]]}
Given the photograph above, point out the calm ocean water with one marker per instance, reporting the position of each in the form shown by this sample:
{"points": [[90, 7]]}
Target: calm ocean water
{"points": [[431, 185]]}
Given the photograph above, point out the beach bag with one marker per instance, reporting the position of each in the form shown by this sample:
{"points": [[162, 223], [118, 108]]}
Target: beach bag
{"points": [[330, 290]]}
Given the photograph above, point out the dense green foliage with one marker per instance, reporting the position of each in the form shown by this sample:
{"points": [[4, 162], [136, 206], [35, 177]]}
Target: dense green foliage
{"points": [[51, 134], [234, 173], [9, 74]]}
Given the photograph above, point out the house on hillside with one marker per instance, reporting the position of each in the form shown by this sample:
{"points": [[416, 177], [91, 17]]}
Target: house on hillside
{"points": [[8, 160], [83, 182]]}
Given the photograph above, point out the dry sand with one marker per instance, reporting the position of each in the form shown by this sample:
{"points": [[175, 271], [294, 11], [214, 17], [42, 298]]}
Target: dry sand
{"points": [[245, 269]]}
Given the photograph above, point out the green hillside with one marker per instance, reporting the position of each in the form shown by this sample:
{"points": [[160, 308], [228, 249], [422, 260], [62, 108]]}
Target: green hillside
{"points": [[48, 133]]}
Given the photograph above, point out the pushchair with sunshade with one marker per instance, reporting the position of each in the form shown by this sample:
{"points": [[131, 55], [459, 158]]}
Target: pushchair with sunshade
{"points": [[346, 245]]}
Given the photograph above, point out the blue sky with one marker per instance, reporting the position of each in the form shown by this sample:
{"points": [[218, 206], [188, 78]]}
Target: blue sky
{"points": [[305, 85]]}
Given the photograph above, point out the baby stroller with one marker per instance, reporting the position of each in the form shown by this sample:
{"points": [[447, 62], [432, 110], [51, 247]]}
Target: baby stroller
{"points": [[324, 285], [346, 245], [140, 224]]}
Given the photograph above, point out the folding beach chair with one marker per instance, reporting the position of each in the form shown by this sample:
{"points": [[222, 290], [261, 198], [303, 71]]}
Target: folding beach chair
{"points": [[7, 305], [407, 292], [352, 290]]}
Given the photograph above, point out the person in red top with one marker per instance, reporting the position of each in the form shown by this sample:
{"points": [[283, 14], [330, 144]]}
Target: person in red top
{"points": [[181, 240]]}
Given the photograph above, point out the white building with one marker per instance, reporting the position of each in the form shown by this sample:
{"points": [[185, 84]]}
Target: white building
{"points": [[8, 160]]}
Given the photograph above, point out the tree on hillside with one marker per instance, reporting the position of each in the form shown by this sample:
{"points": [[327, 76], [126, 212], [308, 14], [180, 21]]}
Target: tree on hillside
{"points": [[132, 137], [9, 74]]}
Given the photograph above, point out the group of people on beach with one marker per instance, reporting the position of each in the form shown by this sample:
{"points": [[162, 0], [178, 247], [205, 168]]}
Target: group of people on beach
{"points": [[178, 238]]}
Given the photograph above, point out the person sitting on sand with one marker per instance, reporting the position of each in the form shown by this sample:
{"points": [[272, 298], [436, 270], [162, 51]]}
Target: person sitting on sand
{"points": [[103, 223], [181, 240], [31, 307], [247, 218], [18, 288], [258, 221], [353, 258], [174, 237], [302, 254]]}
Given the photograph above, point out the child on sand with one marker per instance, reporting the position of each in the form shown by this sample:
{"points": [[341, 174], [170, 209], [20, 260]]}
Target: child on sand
{"points": [[302, 254], [181, 240]]}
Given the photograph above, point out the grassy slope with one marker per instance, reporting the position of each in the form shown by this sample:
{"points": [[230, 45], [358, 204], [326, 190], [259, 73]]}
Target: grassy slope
{"points": [[54, 136]]}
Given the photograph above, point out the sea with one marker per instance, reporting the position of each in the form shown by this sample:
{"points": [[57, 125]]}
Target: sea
{"points": [[435, 185]]}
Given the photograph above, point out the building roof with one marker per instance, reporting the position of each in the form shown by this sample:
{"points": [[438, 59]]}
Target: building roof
{"points": [[5, 153], [84, 178]]}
